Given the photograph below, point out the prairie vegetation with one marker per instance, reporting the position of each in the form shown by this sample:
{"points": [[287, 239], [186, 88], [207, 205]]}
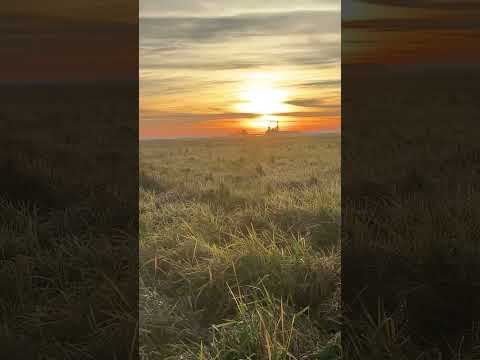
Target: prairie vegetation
{"points": [[239, 248]]}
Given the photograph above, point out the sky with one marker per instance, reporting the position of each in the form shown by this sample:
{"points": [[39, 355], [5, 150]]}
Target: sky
{"points": [[399, 32], [217, 67], [58, 40]]}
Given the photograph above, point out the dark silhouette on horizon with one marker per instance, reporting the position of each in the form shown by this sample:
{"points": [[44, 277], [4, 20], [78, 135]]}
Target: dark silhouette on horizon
{"points": [[273, 131]]}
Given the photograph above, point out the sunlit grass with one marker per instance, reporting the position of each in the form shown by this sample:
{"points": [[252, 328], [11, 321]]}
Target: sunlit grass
{"points": [[239, 249]]}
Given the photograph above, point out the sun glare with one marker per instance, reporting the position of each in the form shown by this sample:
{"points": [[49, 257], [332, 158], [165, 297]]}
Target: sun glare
{"points": [[263, 122], [263, 101], [261, 97]]}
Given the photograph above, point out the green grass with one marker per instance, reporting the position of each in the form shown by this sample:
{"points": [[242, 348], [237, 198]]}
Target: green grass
{"points": [[239, 248]]}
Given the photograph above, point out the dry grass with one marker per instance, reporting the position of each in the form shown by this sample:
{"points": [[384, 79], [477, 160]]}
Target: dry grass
{"points": [[239, 248]]}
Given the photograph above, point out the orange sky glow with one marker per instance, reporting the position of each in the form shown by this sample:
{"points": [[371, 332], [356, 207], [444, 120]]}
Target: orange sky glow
{"points": [[221, 67]]}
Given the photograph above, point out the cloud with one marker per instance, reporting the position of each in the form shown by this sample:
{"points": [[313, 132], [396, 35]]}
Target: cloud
{"points": [[310, 114], [322, 84], [248, 41], [214, 29], [194, 117], [225, 7], [204, 64], [178, 85], [312, 103]]}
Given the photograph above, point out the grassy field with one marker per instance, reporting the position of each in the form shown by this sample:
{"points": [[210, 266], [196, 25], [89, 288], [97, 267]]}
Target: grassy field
{"points": [[239, 248]]}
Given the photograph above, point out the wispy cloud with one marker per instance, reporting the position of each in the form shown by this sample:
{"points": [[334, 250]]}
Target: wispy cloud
{"points": [[178, 117], [313, 103], [207, 29], [324, 84], [150, 8]]}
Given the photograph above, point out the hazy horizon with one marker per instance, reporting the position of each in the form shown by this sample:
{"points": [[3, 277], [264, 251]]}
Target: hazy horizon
{"points": [[237, 135]]}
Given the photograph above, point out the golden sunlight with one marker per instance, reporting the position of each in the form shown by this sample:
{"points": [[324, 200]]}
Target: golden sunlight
{"points": [[263, 122], [263, 101], [261, 97]]}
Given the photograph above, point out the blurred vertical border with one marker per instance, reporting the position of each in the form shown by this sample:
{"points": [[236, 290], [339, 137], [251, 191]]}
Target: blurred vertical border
{"points": [[69, 179], [410, 179]]}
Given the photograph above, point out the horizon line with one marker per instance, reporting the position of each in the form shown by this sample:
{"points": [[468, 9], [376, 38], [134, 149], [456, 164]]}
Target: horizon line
{"points": [[182, 137]]}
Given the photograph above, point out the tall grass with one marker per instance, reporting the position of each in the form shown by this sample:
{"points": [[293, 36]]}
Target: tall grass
{"points": [[239, 254]]}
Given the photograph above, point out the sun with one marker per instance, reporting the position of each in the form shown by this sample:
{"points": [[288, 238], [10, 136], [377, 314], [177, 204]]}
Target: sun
{"points": [[263, 101], [261, 96]]}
